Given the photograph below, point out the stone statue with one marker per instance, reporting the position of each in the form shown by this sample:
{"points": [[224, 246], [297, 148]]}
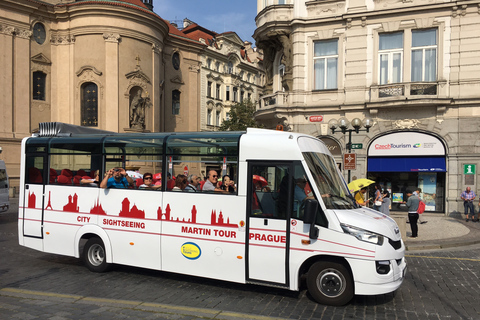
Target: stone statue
{"points": [[137, 110]]}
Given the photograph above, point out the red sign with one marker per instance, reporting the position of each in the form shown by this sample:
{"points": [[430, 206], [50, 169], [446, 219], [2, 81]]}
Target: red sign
{"points": [[316, 119], [349, 161]]}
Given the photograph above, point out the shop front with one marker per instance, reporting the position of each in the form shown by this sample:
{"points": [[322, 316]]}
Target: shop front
{"points": [[403, 161]]}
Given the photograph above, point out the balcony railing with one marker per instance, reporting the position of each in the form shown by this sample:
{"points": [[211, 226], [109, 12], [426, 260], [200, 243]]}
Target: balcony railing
{"points": [[405, 90]]}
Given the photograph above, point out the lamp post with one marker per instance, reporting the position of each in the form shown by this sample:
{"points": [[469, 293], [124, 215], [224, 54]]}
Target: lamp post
{"points": [[343, 124]]}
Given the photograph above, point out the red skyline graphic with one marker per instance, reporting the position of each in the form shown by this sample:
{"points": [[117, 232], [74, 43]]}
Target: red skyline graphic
{"points": [[71, 205], [126, 212], [133, 212], [32, 200]]}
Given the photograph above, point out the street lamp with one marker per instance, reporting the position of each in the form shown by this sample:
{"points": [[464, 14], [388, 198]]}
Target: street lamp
{"points": [[343, 124]]}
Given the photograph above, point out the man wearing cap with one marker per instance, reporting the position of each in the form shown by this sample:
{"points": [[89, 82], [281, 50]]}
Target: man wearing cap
{"points": [[468, 196], [412, 205]]}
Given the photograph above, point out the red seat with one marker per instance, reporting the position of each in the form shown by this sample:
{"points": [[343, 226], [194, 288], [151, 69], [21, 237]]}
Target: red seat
{"points": [[53, 175], [34, 175], [76, 180], [67, 173], [138, 183], [81, 172], [62, 179]]}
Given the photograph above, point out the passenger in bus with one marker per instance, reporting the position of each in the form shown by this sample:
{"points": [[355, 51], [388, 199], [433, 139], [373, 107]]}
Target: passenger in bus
{"points": [[299, 193], [170, 182], [92, 182], [193, 181], [212, 182], [148, 182], [228, 185], [180, 183], [116, 178]]}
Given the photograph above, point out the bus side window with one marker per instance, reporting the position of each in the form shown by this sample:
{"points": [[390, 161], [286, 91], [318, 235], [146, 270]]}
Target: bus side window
{"points": [[269, 198]]}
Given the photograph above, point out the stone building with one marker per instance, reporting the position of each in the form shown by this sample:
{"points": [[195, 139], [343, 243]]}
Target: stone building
{"points": [[112, 65], [411, 67]]}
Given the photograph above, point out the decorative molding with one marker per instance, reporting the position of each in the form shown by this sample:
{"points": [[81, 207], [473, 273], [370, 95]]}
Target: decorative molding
{"points": [[112, 37], [88, 68], [406, 123], [440, 113], [138, 74], [194, 68], [156, 48], [57, 39], [23, 33], [177, 79], [8, 30], [41, 59]]}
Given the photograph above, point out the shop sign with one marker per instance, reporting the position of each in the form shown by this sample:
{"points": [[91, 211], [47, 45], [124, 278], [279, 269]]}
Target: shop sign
{"points": [[468, 169], [332, 146], [316, 119], [349, 161], [406, 144]]}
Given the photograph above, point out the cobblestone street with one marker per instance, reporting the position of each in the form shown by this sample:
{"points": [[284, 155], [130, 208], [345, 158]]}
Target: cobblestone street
{"points": [[35, 285]]}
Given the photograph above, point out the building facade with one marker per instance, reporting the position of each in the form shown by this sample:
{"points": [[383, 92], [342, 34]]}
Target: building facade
{"points": [[231, 72], [111, 65], [412, 67]]}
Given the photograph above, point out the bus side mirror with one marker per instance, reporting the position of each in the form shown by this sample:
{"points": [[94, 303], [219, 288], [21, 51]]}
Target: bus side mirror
{"points": [[310, 215]]}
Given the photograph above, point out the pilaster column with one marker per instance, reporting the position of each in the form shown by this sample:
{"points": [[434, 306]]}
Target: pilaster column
{"points": [[112, 107]]}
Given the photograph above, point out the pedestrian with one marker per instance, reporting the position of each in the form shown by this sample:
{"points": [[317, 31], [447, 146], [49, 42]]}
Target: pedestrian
{"points": [[377, 202], [417, 192], [385, 208], [360, 197], [468, 196], [412, 205]]}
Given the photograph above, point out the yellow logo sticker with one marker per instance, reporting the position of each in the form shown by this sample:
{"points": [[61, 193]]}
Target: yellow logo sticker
{"points": [[191, 251]]}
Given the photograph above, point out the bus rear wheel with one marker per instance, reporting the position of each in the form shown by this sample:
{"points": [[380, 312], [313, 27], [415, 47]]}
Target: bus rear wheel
{"points": [[94, 255], [330, 283]]}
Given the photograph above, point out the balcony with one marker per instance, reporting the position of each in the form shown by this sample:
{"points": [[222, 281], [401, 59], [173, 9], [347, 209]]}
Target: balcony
{"points": [[273, 100]]}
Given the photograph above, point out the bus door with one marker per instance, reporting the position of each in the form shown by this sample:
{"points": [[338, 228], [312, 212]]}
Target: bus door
{"points": [[33, 200], [268, 241]]}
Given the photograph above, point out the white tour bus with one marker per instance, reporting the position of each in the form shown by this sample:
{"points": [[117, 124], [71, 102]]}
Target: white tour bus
{"points": [[290, 217]]}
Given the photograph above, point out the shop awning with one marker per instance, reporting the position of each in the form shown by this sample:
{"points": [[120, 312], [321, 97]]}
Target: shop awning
{"points": [[407, 164]]}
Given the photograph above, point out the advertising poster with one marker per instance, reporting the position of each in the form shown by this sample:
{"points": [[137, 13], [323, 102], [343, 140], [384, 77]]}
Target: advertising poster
{"points": [[397, 197], [428, 182]]}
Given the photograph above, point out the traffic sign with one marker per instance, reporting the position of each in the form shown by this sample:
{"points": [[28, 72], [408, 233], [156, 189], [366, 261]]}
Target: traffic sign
{"points": [[357, 145], [349, 161]]}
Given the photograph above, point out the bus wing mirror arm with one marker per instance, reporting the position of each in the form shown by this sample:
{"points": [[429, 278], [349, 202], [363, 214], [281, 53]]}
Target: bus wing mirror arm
{"points": [[310, 214]]}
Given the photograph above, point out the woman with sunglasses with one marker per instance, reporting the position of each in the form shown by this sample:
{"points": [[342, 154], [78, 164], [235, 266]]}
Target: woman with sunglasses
{"points": [[148, 182]]}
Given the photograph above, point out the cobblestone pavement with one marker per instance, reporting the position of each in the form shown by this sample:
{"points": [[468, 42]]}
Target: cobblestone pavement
{"points": [[442, 284]]}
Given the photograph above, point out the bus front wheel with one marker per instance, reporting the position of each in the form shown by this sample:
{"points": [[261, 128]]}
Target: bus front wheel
{"points": [[330, 283], [94, 255]]}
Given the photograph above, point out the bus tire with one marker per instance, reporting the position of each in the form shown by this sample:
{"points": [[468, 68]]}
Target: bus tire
{"points": [[94, 255], [330, 283]]}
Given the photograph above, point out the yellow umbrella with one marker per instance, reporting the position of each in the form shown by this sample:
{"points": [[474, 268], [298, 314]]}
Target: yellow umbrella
{"points": [[358, 184]]}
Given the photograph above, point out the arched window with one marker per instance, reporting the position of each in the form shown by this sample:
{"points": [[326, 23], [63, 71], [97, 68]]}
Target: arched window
{"points": [[175, 102], [39, 85], [89, 105]]}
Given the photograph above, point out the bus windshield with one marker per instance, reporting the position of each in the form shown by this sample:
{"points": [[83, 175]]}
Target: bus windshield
{"points": [[334, 192]]}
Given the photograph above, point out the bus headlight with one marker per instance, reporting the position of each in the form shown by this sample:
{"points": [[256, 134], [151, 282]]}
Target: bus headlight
{"points": [[363, 235]]}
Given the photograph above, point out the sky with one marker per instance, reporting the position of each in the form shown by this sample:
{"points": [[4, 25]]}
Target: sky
{"points": [[216, 15]]}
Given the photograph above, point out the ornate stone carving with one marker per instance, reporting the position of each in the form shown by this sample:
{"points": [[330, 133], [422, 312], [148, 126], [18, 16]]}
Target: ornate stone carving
{"points": [[57, 39], [23, 33], [194, 68], [156, 48], [111, 37], [406, 123], [8, 30]]}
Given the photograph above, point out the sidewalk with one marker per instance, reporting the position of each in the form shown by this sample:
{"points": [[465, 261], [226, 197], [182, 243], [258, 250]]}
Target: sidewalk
{"points": [[439, 232]]}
